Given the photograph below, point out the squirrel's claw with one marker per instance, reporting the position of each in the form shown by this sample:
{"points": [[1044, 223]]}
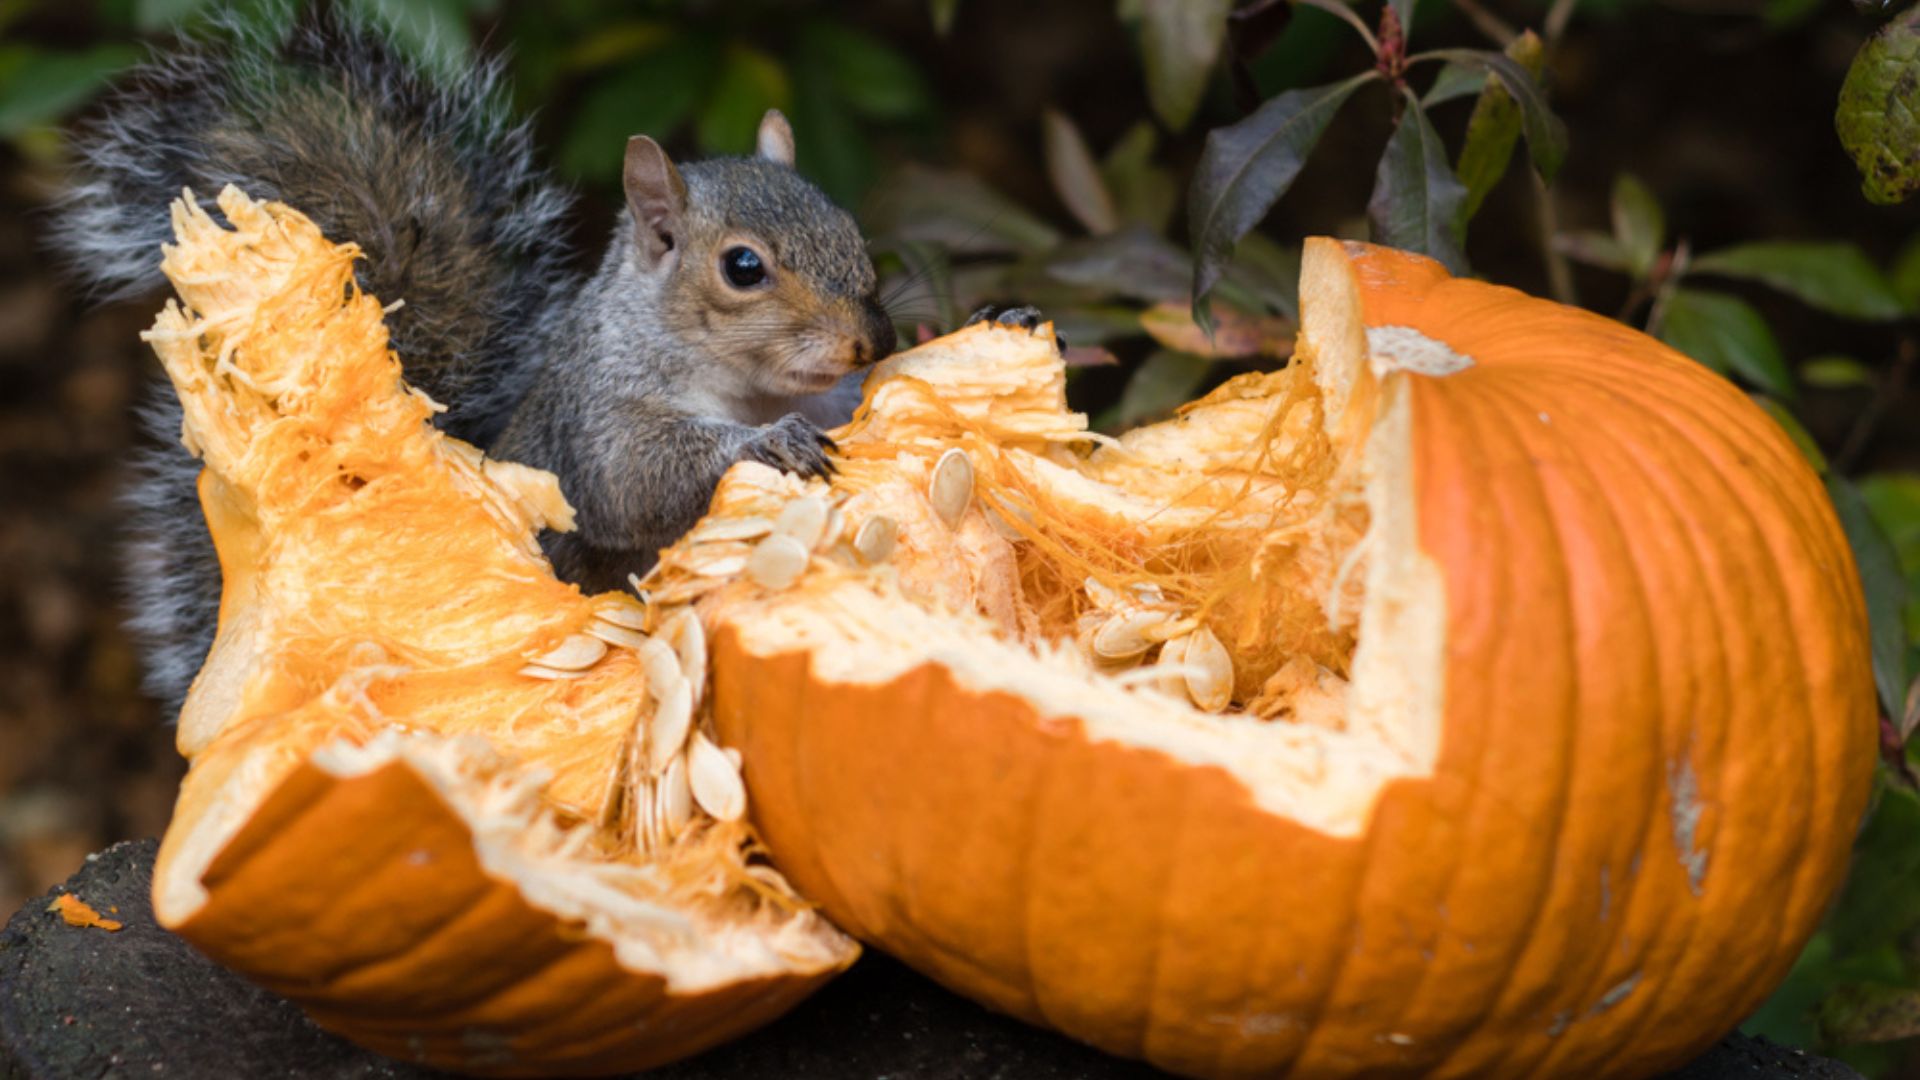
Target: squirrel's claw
{"points": [[1024, 316], [793, 444]]}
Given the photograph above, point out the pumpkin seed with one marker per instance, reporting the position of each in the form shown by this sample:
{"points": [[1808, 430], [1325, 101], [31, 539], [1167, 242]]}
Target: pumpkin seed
{"points": [[951, 488], [804, 519], [777, 561], [1173, 656], [662, 666], [623, 614], [1124, 637], [616, 635], [674, 797], [876, 537], [536, 671], [1209, 675], [714, 530], [672, 719], [1103, 595], [719, 566], [577, 653], [1171, 629], [689, 643], [714, 781]]}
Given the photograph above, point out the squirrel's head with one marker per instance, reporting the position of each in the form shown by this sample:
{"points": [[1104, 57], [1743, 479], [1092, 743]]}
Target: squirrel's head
{"points": [[757, 267]]}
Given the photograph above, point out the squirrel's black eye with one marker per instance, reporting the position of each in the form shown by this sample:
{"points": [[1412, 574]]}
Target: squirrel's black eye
{"points": [[743, 267]]}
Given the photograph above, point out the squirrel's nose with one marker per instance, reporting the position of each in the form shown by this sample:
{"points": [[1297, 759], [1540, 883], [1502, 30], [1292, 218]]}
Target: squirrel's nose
{"points": [[880, 338]]}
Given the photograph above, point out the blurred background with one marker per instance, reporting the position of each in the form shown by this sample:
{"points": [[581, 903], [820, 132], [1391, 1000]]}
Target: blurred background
{"points": [[1001, 150]]}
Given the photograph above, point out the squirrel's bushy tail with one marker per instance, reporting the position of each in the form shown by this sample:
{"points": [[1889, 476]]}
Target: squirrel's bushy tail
{"points": [[423, 169]]}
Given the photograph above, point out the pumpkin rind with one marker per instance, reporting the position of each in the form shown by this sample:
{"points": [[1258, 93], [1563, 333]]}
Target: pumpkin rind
{"points": [[1655, 739]]}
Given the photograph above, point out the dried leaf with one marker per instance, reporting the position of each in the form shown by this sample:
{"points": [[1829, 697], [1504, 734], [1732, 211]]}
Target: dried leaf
{"points": [[1494, 126], [1180, 40], [1076, 177], [1236, 334], [1639, 225]]}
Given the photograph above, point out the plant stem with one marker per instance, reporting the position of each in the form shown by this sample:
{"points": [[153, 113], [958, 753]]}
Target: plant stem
{"points": [[1557, 18], [1559, 271], [1342, 11], [1869, 419], [1487, 22], [1667, 284]]}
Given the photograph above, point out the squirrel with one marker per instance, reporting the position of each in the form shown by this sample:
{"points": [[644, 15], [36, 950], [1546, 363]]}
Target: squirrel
{"points": [[731, 317]]}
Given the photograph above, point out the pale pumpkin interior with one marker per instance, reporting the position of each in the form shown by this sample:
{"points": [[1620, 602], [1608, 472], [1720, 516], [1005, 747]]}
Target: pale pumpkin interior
{"points": [[1277, 514], [386, 601]]}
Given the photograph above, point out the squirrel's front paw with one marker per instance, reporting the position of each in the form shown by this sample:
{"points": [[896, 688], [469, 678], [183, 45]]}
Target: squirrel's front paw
{"points": [[1026, 317], [792, 444]]}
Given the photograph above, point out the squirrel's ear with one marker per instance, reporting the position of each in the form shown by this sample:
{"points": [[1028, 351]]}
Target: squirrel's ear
{"points": [[657, 196], [776, 138]]}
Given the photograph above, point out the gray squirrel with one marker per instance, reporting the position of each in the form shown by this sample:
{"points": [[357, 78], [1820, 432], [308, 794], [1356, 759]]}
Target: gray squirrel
{"points": [[722, 324]]}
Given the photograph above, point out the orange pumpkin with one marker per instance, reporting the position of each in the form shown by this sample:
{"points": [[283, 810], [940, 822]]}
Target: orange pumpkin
{"points": [[1563, 653]]}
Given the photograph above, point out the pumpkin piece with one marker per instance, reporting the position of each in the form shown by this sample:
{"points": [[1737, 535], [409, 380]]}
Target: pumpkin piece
{"points": [[424, 799], [1550, 718]]}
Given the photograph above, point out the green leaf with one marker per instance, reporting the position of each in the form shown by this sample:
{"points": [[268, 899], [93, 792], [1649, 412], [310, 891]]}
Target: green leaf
{"points": [[1886, 592], [1162, 383], [431, 33], [957, 210], [1835, 277], [1546, 135], [1076, 177], [1135, 262], [1726, 334], [152, 15], [872, 78], [829, 147], [1246, 167], [1796, 431], [651, 96], [1878, 117], [1417, 202], [1905, 275], [1593, 248], [943, 12], [1454, 81], [1881, 901], [1142, 191], [1403, 10], [1180, 40], [750, 83], [1894, 499], [40, 87], [1639, 225], [1269, 273], [1493, 128], [1836, 373]]}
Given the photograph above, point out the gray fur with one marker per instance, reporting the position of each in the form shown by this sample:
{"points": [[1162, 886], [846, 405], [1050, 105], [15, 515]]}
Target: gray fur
{"points": [[634, 388]]}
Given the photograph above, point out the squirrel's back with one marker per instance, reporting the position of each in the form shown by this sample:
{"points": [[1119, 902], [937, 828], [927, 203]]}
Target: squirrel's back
{"points": [[424, 170]]}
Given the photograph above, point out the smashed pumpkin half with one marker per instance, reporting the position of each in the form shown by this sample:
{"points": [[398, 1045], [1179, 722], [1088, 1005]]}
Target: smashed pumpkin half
{"points": [[1485, 694], [455, 809]]}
